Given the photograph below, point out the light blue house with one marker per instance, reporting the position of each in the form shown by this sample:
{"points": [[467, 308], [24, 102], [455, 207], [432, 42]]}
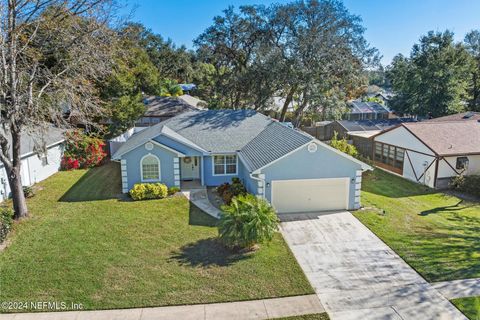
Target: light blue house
{"points": [[288, 167]]}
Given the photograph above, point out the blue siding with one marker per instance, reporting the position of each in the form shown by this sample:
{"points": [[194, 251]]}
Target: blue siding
{"points": [[133, 164], [177, 146], [248, 182], [211, 180], [323, 163]]}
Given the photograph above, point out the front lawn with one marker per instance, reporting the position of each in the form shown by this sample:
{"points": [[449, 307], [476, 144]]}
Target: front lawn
{"points": [[469, 306], [437, 234], [86, 244]]}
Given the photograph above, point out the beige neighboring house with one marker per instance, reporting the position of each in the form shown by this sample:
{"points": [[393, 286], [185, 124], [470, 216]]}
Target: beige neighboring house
{"points": [[430, 152]]}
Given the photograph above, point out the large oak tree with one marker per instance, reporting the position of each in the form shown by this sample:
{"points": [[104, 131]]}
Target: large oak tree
{"points": [[52, 54]]}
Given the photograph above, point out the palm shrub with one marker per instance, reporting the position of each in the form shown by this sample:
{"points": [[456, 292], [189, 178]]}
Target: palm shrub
{"points": [[248, 220]]}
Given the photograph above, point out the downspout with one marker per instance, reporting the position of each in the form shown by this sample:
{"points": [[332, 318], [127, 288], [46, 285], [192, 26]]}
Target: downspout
{"points": [[263, 184]]}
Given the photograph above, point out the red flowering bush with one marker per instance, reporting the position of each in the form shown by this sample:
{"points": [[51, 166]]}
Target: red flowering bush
{"points": [[82, 151]]}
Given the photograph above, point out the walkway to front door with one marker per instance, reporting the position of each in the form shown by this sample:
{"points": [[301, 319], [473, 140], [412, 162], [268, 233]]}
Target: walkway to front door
{"points": [[356, 275]]}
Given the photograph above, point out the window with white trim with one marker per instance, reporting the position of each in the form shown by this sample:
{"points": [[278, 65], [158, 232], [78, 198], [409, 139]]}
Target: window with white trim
{"points": [[150, 168], [225, 165]]}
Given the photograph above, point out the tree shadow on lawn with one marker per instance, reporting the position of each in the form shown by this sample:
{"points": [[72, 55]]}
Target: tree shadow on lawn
{"points": [[196, 217], [450, 208], [207, 252], [388, 185], [449, 252], [100, 183]]}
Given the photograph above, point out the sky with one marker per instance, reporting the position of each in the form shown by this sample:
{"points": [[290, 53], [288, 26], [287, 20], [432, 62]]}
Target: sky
{"points": [[392, 26]]}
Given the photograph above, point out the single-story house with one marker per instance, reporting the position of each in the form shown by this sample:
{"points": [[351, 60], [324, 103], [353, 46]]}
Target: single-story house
{"points": [[430, 152], [359, 132], [162, 108], [360, 110], [289, 168], [36, 165]]}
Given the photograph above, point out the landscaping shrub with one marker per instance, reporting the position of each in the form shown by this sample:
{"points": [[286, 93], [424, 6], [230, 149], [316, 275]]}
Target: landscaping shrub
{"points": [[343, 145], [173, 190], [467, 184], [227, 191], [28, 192], [82, 151], [144, 191], [248, 220], [6, 220]]}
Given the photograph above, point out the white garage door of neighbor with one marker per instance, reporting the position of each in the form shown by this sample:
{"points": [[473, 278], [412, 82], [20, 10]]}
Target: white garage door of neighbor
{"points": [[310, 195]]}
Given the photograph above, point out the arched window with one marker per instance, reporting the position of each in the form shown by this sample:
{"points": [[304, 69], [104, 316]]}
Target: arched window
{"points": [[150, 166]]}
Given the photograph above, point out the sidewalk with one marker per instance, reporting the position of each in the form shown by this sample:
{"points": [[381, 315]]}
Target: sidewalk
{"points": [[245, 310], [458, 288]]}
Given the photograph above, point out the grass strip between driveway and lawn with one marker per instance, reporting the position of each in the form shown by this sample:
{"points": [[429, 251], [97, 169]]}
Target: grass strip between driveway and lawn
{"points": [[85, 243]]}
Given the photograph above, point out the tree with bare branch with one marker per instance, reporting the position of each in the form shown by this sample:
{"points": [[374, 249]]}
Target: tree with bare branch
{"points": [[53, 53]]}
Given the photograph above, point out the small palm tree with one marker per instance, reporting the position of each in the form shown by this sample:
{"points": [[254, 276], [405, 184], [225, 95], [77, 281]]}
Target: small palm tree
{"points": [[170, 89], [248, 220]]}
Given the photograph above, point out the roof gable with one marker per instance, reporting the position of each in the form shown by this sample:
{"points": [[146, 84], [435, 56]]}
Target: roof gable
{"points": [[448, 137], [401, 137]]}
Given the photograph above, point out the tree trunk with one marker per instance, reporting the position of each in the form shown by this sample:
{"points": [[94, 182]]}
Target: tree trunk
{"points": [[288, 100], [299, 113], [15, 176], [18, 197]]}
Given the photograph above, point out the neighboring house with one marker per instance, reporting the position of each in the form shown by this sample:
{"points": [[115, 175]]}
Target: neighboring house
{"points": [[430, 152], [162, 108], [359, 110], [360, 131], [36, 166], [464, 116], [289, 168]]}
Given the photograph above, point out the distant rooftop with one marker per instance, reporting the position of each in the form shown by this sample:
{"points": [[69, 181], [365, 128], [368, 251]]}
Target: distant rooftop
{"points": [[372, 125], [357, 106], [469, 115]]}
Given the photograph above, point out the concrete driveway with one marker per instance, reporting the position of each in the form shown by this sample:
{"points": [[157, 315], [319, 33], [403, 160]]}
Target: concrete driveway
{"points": [[356, 275]]}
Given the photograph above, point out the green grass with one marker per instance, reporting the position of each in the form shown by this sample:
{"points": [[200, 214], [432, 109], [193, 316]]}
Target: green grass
{"points": [[313, 316], [469, 306], [84, 243], [437, 234]]}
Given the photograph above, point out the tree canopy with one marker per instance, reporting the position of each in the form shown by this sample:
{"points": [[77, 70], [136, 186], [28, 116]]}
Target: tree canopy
{"points": [[312, 52], [436, 79]]}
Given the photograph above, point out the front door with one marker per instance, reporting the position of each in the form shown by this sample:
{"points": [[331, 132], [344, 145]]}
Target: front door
{"points": [[190, 168]]}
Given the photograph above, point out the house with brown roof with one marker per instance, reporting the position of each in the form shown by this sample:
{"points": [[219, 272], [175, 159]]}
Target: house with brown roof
{"points": [[430, 152], [158, 109]]}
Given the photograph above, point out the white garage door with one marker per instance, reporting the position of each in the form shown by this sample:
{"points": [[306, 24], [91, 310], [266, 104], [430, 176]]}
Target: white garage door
{"points": [[310, 195]]}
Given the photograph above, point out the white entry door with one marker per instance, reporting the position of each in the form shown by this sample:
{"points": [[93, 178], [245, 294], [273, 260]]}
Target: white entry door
{"points": [[289, 196], [190, 168]]}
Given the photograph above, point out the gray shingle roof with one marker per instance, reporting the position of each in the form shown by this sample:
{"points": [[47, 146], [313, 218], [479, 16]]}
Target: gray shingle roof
{"points": [[214, 131], [272, 143], [33, 142], [219, 130], [259, 139]]}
